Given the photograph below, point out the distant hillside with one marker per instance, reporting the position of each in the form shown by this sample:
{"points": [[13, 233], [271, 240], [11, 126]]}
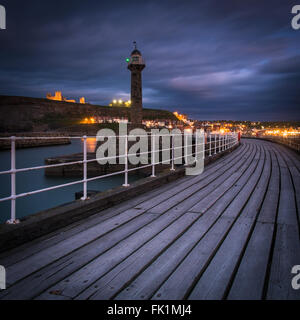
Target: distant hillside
{"points": [[19, 114]]}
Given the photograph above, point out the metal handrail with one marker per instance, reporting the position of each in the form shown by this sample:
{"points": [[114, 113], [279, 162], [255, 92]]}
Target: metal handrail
{"points": [[216, 143]]}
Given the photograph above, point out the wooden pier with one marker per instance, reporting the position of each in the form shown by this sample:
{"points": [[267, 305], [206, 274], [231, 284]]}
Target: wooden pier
{"points": [[230, 233]]}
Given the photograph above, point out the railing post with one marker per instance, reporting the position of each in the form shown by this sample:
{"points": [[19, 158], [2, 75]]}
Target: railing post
{"points": [[210, 144], [185, 143], [204, 145], [173, 140], [84, 169], [153, 155], [126, 184], [13, 219], [215, 144], [196, 146], [221, 143]]}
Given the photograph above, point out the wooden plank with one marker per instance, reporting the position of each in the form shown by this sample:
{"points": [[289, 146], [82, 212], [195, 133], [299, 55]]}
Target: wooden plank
{"points": [[24, 251], [143, 290], [145, 285], [295, 178], [145, 257], [41, 259], [34, 246], [106, 252], [292, 156], [256, 200], [287, 213], [286, 252], [249, 281], [286, 255], [174, 288], [27, 286], [155, 272], [231, 195], [268, 211], [238, 204], [215, 280], [142, 256], [161, 268], [221, 188], [15, 255], [296, 182], [28, 249], [209, 174], [187, 200]]}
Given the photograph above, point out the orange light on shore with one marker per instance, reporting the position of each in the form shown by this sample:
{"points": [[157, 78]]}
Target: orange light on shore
{"points": [[91, 120], [180, 117], [281, 132]]}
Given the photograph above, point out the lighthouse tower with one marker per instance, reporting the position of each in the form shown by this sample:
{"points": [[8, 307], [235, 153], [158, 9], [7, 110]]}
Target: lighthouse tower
{"points": [[136, 65]]}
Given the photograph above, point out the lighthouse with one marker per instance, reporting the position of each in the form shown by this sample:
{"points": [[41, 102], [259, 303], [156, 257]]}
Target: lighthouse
{"points": [[136, 65]]}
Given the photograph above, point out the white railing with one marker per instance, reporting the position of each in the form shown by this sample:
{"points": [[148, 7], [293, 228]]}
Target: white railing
{"points": [[213, 144]]}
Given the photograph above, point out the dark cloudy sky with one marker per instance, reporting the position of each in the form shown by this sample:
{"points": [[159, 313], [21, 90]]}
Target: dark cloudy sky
{"points": [[212, 59]]}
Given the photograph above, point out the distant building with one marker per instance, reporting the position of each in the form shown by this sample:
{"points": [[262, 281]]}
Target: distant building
{"points": [[120, 103], [82, 100], [59, 97]]}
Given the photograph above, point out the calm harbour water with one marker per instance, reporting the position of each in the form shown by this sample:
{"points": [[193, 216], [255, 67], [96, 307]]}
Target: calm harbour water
{"points": [[34, 180]]}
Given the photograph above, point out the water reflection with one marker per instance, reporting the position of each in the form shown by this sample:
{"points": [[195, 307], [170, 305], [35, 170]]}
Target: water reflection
{"points": [[91, 144]]}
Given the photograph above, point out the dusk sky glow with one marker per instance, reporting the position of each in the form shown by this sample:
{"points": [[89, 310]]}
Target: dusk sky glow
{"points": [[211, 59]]}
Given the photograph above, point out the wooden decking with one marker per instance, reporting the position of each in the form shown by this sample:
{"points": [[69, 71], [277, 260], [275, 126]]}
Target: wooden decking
{"points": [[230, 233]]}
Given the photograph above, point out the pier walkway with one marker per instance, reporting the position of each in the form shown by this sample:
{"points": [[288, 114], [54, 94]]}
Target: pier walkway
{"points": [[230, 233]]}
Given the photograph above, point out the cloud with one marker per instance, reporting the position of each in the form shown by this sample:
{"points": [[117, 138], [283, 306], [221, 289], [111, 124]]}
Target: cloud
{"points": [[210, 59]]}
